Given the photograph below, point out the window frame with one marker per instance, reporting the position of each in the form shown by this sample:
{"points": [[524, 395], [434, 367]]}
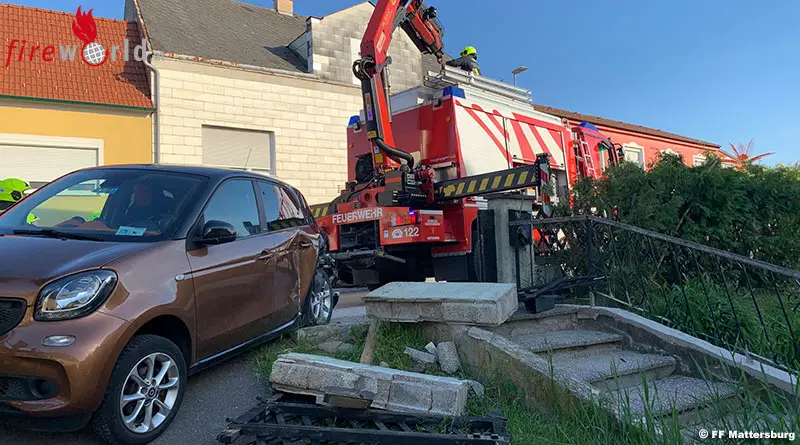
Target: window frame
{"points": [[633, 148], [201, 217], [697, 157], [289, 192]]}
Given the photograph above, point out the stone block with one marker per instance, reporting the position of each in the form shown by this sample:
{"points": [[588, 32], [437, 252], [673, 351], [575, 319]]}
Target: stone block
{"points": [[420, 356], [431, 348], [393, 389], [448, 357], [481, 304]]}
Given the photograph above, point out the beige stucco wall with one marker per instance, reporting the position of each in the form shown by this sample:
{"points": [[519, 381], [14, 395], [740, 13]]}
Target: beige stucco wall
{"points": [[308, 117]]}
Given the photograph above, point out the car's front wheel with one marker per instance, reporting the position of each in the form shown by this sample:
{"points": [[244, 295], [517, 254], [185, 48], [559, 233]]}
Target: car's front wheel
{"points": [[144, 394], [320, 301]]}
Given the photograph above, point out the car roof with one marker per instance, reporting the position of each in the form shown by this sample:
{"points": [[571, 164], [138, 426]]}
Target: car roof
{"points": [[215, 173]]}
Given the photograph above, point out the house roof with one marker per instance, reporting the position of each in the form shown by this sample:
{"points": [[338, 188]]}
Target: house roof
{"points": [[224, 30], [621, 125], [117, 83]]}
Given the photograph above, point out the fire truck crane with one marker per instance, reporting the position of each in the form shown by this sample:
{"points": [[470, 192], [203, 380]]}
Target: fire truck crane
{"points": [[420, 162]]}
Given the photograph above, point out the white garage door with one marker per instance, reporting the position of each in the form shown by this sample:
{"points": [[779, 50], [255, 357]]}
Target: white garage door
{"points": [[41, 160]]}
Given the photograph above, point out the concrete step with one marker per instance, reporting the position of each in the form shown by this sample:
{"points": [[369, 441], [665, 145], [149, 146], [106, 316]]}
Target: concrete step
{"points": [[617, 369], [571, 343], [688, 397]]}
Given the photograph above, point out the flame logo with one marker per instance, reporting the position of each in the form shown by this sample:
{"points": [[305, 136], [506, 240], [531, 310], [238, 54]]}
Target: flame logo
{"points": [[84, 27]]}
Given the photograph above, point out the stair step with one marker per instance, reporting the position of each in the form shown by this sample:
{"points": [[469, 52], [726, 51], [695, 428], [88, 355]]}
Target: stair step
{"points": [[617, 369], [561, 342], [679, 393]]}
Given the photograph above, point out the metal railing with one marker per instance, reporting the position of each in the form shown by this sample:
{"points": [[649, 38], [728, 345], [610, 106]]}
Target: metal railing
{"points": [[739, 303]]}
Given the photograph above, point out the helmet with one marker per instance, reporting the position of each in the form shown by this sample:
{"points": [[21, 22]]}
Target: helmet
{"points": [[12, 189], [469, 51]]}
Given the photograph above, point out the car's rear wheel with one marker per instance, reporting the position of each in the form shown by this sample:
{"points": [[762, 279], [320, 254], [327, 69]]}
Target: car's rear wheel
{"points": [[144, 394], [320, 301]]}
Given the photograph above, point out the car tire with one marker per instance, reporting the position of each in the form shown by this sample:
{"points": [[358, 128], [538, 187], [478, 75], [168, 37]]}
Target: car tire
{"points": [[114, 422], [318, 307]]}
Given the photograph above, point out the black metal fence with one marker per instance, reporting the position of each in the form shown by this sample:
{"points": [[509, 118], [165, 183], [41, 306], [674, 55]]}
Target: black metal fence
{"points": [[732, 301]]}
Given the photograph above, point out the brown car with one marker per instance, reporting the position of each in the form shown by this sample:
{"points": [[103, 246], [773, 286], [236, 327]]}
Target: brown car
{"points": [[135, 277]]}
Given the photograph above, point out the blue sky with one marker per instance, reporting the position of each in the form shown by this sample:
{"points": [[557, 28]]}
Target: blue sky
{"points": [[717, 70]]}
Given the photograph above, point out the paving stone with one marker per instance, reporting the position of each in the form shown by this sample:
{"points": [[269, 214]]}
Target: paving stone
{"points": [[420, 356], [448, 357], [431, 348], [488, 304]]}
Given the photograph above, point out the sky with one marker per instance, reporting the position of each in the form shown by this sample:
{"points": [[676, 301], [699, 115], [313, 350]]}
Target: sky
{"points": [[717, 70]]}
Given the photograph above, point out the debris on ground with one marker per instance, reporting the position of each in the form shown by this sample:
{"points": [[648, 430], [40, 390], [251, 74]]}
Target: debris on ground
{"points": [[431, 348], [424, 357], [393, 390], [448, 357], [337, 347], [384, 365], [476, 388], [281, 418]]}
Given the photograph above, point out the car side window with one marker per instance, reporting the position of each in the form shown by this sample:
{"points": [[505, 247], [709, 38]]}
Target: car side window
{"points": [[234, 202], [280, 208]]}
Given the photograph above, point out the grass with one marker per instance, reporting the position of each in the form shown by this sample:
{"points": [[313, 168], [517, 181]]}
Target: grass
{"points": [[561, 423]]}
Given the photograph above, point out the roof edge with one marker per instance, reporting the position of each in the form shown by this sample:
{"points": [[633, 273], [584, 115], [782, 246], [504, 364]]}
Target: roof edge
{"points": [[76, 102]]}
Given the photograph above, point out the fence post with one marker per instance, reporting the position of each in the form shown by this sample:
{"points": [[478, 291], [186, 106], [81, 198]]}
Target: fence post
{"points": [[590, 256]]}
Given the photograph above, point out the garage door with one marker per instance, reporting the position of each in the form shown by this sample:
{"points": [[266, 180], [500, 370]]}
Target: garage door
{"points": [[41, 163]]}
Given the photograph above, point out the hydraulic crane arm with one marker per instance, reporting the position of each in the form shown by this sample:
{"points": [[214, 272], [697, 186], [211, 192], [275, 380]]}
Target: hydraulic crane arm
{"points": [[426, 32]]}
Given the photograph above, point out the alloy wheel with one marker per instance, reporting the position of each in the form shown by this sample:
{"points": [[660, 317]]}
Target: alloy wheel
{"points": [[322, 302], [149, 393]]}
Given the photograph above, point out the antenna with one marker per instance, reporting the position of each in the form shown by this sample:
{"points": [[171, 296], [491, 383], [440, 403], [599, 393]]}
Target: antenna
{"points": [[247, 161]]}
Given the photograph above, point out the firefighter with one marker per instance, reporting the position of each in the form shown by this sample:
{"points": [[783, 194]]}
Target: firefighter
{"points": [[468, 61], [12, 190]]}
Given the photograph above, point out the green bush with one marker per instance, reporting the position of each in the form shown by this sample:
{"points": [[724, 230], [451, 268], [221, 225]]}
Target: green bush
{"points": [[753, 212]]}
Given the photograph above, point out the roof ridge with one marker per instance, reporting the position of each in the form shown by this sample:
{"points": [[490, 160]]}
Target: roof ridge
{"points": [[272, 10], [55, 12]]}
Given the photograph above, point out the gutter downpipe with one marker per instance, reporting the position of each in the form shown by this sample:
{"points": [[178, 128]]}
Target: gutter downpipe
{"points": [[156, 120]]}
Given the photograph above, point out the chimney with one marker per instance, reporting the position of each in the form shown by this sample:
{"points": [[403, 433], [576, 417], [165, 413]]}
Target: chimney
{"points": [[285, 6]]}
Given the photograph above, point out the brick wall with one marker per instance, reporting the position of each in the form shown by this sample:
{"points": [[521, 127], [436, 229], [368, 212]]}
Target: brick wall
{"points": [[336, 43], [308, 117]]}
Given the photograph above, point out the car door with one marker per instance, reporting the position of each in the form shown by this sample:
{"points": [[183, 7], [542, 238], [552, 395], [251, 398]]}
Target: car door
{"points": [[284, 222], [230, 279]]}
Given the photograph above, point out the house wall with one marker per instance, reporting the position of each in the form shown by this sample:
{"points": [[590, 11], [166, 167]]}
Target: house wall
{"points": [[127, 135], [308, 118], [652, 146], [336, 44]]}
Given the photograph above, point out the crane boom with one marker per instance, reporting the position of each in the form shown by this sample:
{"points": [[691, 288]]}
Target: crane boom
{"points": [[424, 29]]}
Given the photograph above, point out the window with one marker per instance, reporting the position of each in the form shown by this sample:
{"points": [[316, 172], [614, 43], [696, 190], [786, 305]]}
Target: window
{"points": [[699, 160], [238, 148], [235, 203], [634, 154], [280, 207]]}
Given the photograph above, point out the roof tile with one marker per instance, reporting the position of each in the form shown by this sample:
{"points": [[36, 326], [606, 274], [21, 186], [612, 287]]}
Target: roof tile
{"points": [[113, 83]]}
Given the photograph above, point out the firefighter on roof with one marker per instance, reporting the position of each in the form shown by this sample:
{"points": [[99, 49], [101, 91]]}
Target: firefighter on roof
{"points": [[468, 61]]}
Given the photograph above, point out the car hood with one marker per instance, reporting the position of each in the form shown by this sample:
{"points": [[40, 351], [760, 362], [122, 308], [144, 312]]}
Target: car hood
{"points": [[28, 262]]}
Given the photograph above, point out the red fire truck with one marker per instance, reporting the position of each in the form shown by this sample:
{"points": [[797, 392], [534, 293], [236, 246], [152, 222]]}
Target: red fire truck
{"points": [[420, 162]]}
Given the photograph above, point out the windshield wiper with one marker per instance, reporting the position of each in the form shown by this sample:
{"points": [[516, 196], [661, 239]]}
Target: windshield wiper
{"points": [[53, 233]]}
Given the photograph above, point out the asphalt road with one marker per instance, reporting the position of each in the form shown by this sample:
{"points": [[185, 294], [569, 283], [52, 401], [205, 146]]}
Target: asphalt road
{"points": [[226, 390]]}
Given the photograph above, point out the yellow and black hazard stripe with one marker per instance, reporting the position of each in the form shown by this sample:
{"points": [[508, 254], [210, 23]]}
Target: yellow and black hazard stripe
{"points": [[321, 210], [504, 180], [285, 224]]}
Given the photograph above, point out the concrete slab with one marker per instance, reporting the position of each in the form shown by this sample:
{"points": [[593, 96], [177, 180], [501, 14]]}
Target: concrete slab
{"points": [[394, 390], [479, 304]]}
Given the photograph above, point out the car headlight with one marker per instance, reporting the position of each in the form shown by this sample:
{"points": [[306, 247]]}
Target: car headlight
{"points": [[74, 296]]}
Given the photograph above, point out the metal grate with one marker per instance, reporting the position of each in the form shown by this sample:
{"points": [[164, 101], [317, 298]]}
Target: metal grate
{"points": [[16, 389], [11, 313], [284, 423]]}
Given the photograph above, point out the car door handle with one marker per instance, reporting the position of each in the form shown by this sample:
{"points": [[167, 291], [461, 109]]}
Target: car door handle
{"points": [[265, 255]]}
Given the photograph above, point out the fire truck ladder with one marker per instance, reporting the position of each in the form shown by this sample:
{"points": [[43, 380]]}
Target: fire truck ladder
{"points": [[450, 76], [585, 159]]}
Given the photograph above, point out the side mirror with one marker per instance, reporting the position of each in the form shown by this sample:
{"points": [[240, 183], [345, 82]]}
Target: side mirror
{"points": [[217, 232]]}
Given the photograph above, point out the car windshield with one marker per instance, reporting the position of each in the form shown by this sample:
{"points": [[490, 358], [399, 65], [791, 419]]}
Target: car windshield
{"points": [[106, 205]]}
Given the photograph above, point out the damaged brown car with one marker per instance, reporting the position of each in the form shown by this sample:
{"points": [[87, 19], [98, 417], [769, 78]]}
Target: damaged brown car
{"points": [[134, 278]]}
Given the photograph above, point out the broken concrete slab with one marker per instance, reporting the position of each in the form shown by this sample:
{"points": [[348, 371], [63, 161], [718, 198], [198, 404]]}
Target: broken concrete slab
{"points": [[431, 348], [476, 388], [448, 357], [393, 389], [420, 356], [480, 304], [337, 347]]}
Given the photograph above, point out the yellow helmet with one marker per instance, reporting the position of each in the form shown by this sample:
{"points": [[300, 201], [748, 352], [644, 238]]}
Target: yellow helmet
{"points": [[469, 51]]}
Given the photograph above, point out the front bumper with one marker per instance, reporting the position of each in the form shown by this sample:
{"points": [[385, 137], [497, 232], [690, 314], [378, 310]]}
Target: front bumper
{"points": [[79, 372]]}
